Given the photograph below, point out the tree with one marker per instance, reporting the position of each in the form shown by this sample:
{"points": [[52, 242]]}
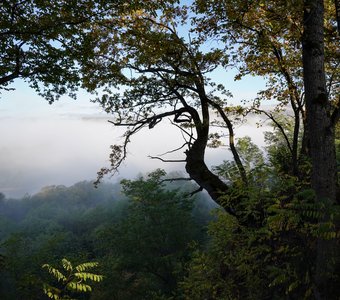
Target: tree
{"points": [[44, 43], [274, 256], [262, 40], [151, 243], [34, 39], [321, 121], [265, 39], [164, 76], [270, 38], [337, 8]]}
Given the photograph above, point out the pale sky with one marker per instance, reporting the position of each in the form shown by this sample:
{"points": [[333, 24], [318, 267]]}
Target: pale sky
{"points": [[69, 141]]}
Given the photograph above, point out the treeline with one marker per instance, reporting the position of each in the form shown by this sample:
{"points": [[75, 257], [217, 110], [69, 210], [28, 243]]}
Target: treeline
{"points": [[142, 233]]}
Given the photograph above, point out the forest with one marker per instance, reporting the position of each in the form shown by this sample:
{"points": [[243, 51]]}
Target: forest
{"points": [[264, 224], [141, 233]]}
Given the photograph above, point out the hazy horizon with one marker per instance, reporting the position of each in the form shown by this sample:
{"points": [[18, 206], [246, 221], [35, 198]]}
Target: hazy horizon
{"points": [[69, 141]]}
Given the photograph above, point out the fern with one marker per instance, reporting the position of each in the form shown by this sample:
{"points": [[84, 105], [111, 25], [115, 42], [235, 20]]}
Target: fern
{"points": [[72, 281]]}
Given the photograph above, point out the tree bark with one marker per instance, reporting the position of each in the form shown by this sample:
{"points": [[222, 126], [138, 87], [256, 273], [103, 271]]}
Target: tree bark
{"points": [[318, 107], [319, 128], [200, 173], [337, 9]]}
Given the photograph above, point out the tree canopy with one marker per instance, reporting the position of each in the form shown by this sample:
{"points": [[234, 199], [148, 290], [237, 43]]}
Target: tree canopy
{"points": [[45, 43]]}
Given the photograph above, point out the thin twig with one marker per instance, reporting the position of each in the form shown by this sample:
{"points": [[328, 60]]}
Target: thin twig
{"points": [[167, 160]]}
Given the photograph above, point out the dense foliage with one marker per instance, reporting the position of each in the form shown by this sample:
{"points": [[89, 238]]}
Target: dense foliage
{"points": [[270, 252], [149, 236], [72, 280], [276, 233], [141, 235]]}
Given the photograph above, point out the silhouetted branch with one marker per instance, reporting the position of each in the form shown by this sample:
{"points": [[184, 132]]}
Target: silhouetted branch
{"points": [[200, 189], [279, 126], [174, 150], [167, 160], [233, 149], [176, 179], [190, 135], [152, 121]]}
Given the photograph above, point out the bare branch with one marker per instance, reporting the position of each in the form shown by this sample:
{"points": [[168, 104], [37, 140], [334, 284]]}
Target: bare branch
{"points": [[16, 73], [167, 160], [152, 121], [176, 179], [190, 135], [200, 189], [162, 70], [279, 126], [231, 141], [117, 156], [174, 150]]}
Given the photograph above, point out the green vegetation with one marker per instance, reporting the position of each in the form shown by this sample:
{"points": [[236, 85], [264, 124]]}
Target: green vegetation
{"points": [[275, 234], [153, 240], [141, 235], [74, 281]]}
